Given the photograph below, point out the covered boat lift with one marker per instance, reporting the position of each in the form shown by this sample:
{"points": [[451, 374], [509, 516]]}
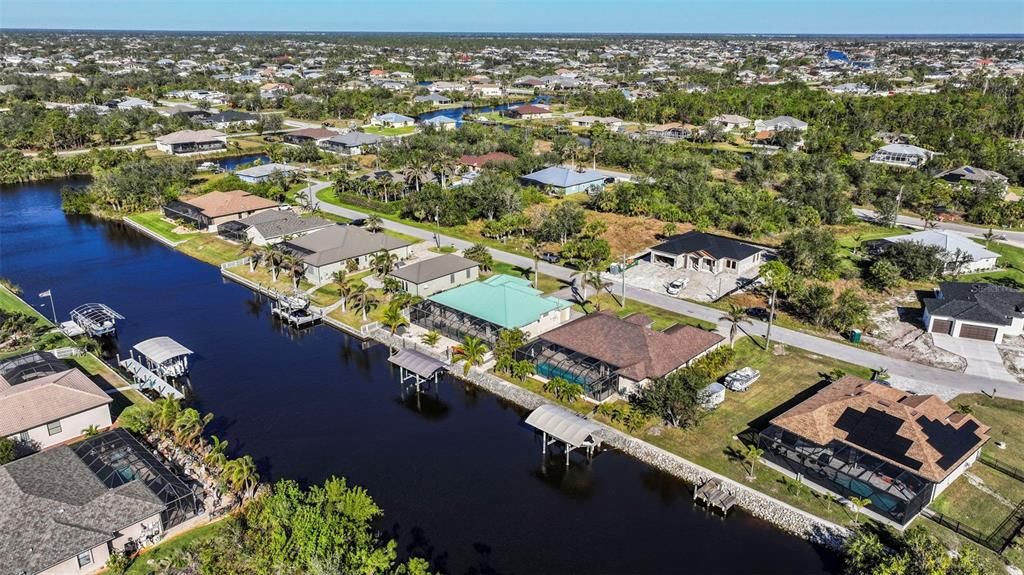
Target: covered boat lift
{"points": [[164, 356], [96, 319], [566, 427], [418, 367]]}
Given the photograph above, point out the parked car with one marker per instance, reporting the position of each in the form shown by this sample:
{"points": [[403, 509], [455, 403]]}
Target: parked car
{"points": [[742, 379], [550, 257], [676, 286], [758, 313], [358, 222]]}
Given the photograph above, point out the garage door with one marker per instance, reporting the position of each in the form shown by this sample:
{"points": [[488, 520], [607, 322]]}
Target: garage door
{"points": [[942, 326], [978, 332]]}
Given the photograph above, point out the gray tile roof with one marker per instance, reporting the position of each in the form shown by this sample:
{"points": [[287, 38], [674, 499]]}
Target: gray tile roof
{"points": [[433, 268], [340, 243], [63, 509], [717, 247], [562, 177], [987, 303], [279, 223], [265, 170]]}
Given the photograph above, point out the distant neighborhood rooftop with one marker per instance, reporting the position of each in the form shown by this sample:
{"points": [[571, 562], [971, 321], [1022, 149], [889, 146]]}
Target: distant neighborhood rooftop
{"points": [[562, 177]]}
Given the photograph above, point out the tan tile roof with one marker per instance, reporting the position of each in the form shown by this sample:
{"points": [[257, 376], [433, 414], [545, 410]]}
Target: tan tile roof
{"points": [[932, 434], [630, 344], [48, 398], [189, 136], [216, 204]]}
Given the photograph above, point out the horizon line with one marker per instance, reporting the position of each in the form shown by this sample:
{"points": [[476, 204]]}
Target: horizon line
{"points": [[997, 35]]}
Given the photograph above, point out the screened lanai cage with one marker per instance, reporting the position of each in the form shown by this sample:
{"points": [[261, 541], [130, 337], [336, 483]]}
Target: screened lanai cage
{"points": [[452, 323], [96, 319], [550, 360], [29, 366], [117, 458]]}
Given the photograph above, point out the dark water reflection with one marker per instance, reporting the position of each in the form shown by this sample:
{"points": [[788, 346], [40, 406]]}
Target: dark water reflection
{"points": [[459, 476]]}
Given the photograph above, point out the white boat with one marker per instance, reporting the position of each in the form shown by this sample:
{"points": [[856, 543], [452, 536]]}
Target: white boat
{"points": [[742, 379]]}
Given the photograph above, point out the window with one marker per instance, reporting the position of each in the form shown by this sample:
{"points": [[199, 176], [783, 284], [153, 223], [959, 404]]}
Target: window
{"points": [[53, 428], [451, 278], [468, 274], [730, 264], [85, 558], [23, 436]]}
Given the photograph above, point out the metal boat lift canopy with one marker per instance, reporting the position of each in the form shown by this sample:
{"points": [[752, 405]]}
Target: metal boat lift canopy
{"points": [[161, 349], [565, 426], [95, 318]]}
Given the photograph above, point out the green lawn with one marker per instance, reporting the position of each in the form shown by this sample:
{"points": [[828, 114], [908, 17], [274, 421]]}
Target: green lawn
{"points": [[141, 565], [155, 222], [1006, 419], [211, 249], [662, 318], [389, 131], [971, 505], [1011, 258]]}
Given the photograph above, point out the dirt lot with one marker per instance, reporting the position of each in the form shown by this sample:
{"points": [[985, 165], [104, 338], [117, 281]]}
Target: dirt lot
{"points": [[898, 333]]}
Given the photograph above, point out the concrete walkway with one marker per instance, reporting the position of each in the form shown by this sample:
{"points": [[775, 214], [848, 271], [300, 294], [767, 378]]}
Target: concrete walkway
{"points": [[982, 357], [908, 375]]}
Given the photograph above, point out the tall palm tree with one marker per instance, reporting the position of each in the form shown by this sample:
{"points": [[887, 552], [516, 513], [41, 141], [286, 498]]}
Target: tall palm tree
{"points": [[189, 425], [416, 171], [585, 269], [295, 268], [735, 316], [346, 290], [535, 250], [751, 455], [339, 277], [272, 259], [444, 164], [394, 319], [216, 456], [383, 262], [366, 301], [472, 351]]}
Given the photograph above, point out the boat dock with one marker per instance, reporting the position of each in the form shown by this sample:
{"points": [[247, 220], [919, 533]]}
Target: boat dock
{"points": [[144, 379], [298, 318], [714, 496]]}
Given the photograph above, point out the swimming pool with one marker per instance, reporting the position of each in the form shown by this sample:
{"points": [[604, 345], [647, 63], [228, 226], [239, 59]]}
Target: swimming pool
{"points": [[552, 371]]}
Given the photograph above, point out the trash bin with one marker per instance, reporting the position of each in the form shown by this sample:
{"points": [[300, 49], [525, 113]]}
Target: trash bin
{"points": [[855, 336]]}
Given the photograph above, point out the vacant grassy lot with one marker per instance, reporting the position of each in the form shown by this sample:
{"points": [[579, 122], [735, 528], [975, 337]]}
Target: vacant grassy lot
{"points": [[210, 249], [155, 222], [1005, 417], [380, 131]]}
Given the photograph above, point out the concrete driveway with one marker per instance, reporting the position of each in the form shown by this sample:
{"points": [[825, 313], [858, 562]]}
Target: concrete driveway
{"points": [[700, 286], [982, 357]]}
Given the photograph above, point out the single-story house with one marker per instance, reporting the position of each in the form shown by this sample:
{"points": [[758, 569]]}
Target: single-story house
{"points": [[209, 210], [566, 180], [901, 155], [865, 439], [440, 123], [731, 122], [230, 119], [486, 90], [978, 258], [272, 227], [588, 121], [528, 112], [192, 141], [307, 135], [490, 158], [264, 172], [275, 90], [328, 250], [75, 505], [709, 253], [351, 143], [779, 123], [484, 308], [673, 131], [186, 110], [972, 175], [982, 311], [392, 120], [433, 99], [43, 401], [433, 275], [608, 355]]}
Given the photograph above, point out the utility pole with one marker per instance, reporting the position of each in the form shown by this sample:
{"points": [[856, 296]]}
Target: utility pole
{"points": [[771, 320], [622, 271], [896, 214]]}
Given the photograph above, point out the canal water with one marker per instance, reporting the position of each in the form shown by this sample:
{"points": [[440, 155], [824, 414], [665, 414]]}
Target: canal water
{"points": [[460, 477], [458, 113]]}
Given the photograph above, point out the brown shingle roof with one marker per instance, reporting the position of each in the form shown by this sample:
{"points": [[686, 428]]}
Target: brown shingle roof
{"points": [[314, 133], [45, 399], [933, 438], [630, 344], [216, 204]]}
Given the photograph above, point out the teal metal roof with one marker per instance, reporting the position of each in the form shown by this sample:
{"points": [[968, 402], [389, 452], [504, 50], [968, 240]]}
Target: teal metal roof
{"points": [[503, 300]]}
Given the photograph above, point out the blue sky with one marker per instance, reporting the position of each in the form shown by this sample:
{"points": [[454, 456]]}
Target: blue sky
{"points": [[568, 16]]}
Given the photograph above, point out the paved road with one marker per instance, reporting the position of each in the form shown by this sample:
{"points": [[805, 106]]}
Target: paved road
{"points": [[907, 375], [1014, 238]]}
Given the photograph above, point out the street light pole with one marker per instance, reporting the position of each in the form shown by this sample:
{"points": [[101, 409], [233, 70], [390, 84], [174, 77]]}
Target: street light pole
{"points": [[622, 270], [771, 319]]}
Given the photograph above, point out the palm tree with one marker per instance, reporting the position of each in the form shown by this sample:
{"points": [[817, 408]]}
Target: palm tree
{"points": [[585, 270], [859, 503], [430, 338], [294, 267], [339, 276], [383, 262], [216, 456], [394, 319], [345, 291], [91, 431], [880, 374], [735, 316], [535, 251], [272, 258], [563, 390], [189, 425], [444, 164], [472, 351], [989, 236], [418, 170], [166, 413], [366, 301], [240, 475], [373, 223], [523, 369], [751, 455]]}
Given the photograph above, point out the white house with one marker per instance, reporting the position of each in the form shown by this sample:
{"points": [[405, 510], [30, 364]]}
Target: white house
{"points": [[987, 312], [976, 257], [708, 253], [192, 141], [391, 120], [730, 122], [779, 123], [330, 249], [901, 155]]}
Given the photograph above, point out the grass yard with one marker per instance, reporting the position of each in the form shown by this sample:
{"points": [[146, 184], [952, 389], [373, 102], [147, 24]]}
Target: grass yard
{"points": [[329, 293], [1011, 258], [354, 318], [1005, 417], [264, 277], [167, 548], [380, 131], [785, 381], [973, 506], [155, 222], [210, 249], [662, 318]]}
